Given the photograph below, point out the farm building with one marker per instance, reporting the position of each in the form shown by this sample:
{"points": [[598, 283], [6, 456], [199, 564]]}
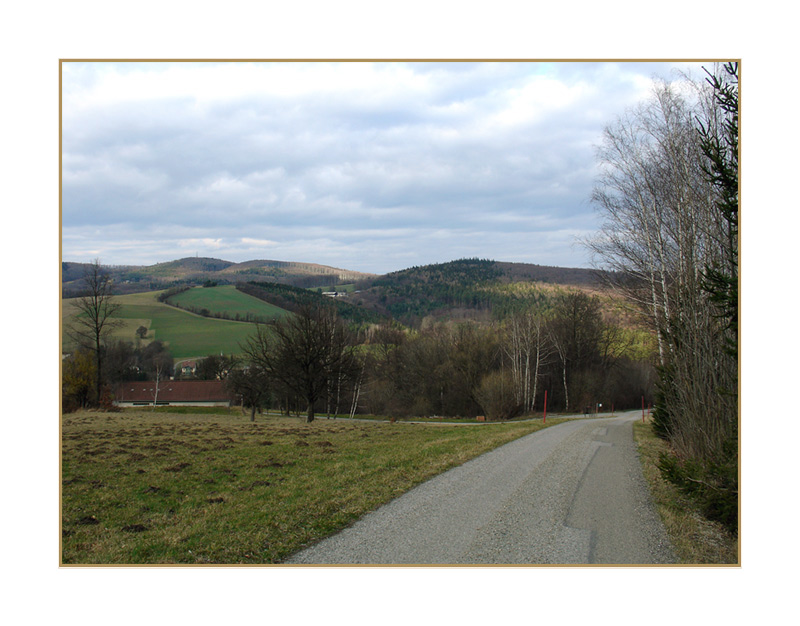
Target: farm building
{"points": [[173, 393]]}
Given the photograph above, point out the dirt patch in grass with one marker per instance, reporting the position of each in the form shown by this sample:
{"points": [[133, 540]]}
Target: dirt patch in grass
{"points": [[134, 528], [177, 468]]}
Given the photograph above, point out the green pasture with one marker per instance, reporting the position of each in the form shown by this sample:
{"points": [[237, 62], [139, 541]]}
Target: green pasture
{"points": [[187, 335], [228, 300]]}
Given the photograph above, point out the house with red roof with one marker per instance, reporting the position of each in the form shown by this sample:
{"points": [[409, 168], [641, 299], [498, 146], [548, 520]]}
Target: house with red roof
{"points": [[173, 393]]}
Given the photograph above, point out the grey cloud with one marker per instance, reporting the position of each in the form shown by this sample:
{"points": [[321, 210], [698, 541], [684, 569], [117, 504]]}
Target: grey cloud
{"points": [[452, 161]]}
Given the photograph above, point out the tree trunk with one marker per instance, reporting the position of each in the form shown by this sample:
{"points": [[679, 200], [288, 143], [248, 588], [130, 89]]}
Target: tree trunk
{"points": [[99, 377], [535, 375], [155, 397], [338, 394]]}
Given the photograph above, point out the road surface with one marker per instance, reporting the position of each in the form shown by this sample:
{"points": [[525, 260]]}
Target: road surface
{"points": [[569, 494]]}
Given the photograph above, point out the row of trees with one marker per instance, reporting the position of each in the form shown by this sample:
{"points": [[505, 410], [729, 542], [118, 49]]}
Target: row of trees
{"points": [[499, 370], [502, 370], [120, 361], [668, 193]]}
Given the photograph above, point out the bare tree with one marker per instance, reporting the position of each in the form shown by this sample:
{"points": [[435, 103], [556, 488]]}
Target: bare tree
{"points": [[576, 331], [159, 373], [357, 388], [252, 385], [526, 345], [94, 321], [473, 352], [661, 231], [303, 352]]}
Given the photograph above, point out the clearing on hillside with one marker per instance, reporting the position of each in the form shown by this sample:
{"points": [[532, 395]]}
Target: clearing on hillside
{"points": [[187, 335], [227, 302]]}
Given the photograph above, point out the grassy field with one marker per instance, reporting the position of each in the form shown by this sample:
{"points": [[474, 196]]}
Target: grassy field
{"points": [[228, 300], [696, 540], [146, 487], [187, 335]]}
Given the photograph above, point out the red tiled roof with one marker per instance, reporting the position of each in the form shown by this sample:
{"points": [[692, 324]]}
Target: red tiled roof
{"points": [[173, 391]]}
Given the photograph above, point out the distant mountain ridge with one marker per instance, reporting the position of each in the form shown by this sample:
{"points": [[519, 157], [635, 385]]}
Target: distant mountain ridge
{"points": [[130, 278], [136, 278], [465, 288], [478, 289]]}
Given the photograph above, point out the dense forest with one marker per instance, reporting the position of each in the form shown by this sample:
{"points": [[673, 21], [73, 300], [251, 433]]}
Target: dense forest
{"points": [[467, 288], [294, 298]]}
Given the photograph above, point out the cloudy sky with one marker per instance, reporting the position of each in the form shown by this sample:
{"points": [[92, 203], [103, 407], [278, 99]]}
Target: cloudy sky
{"points": [[370, 166]]}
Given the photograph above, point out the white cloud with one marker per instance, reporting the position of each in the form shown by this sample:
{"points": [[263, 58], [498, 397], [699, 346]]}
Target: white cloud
{"points": [[206, 243], [326, 159], [257, 243]]}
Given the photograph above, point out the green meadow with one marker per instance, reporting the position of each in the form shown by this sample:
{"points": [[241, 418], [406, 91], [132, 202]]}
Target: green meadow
{"points": [[187, 335], [227, 300]]}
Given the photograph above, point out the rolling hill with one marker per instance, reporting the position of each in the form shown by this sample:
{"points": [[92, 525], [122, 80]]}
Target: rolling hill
{"points": [[186, 334], [199, 270], [209, 301], [467, 288], [226, 302]]}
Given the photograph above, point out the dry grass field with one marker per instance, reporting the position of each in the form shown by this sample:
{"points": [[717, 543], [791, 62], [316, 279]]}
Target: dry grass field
{"points": [[144, 487]]}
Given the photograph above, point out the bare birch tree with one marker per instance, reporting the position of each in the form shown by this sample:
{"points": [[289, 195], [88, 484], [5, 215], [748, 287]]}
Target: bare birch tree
{"points": [[661, 231], [527, 347]]}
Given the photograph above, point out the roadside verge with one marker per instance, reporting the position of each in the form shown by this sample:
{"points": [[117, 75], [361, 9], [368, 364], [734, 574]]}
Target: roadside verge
{"points": [[696, 540]]}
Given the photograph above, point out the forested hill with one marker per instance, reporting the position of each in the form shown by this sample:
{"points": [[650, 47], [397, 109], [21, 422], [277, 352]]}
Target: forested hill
{"points": [[294, 298], [575, 276], [467, 287]]}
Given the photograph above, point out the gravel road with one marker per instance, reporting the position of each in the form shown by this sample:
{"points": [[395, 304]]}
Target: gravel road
{"points": [[570, 494]]}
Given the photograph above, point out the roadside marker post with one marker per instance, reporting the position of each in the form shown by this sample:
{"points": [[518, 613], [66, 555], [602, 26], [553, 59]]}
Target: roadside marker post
{"points": [[544, 421]]}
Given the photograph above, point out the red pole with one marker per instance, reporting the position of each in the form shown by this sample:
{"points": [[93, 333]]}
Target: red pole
{"points": [[545, 407], [642, 408]]}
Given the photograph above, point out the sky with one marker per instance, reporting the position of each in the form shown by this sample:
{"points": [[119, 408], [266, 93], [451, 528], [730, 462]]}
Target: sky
{"points": [[367, 166]]}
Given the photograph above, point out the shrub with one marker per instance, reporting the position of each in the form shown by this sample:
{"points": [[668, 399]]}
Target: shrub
{"points": [[714, 485], [496, 396]]}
